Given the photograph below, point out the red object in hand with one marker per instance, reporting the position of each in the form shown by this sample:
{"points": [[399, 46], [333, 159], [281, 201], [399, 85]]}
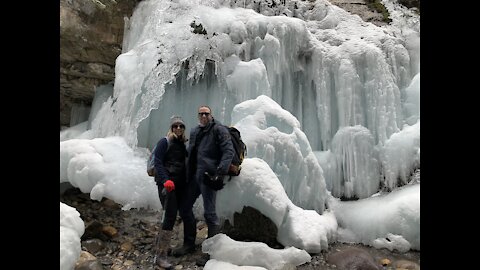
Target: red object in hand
{"points": [[169, 185]]}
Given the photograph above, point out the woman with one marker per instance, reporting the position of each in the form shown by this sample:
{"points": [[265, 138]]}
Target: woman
{"points": [[170, 157]]}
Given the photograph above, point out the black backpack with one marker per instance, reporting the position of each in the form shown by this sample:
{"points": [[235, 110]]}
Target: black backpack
{"points": [[240, 151], [151, 161], [216, 181]]}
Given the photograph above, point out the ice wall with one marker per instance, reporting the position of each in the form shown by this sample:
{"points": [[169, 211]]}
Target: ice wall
{"points": [[102, 94], [329, 70], [275, 136], [401, 156], [357, 170], [412, 101]]}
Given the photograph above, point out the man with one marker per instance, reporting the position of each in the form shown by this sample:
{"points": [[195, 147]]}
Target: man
{"points": [[210, 151]]}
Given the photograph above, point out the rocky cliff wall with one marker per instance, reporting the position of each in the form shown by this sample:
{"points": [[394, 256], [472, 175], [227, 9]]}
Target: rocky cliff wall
{"points": [[91, 34]]}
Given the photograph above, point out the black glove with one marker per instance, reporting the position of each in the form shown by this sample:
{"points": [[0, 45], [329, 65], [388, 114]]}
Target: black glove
{"points": [[217, 177], [215, 182]]}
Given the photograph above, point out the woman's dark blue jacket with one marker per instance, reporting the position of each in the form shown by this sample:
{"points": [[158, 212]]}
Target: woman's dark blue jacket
{"points": [[170, 161]]}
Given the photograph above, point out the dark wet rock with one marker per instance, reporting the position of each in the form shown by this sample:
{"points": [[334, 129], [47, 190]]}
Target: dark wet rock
{"points": [[104, 260], [251, 225], [353, 258], [410, 3], [93, 245], [89, 265], [94, 230], [406, 264]]}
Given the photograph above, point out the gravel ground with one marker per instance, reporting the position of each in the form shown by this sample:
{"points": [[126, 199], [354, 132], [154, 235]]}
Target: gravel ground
{"points": [[129, 243]]}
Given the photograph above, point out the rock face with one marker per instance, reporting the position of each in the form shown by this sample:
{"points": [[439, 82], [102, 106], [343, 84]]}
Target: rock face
{"points": [[91, 35]]}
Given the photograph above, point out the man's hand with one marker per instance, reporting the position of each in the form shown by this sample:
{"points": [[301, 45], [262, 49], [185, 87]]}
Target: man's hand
{"points": [[169, 185]]}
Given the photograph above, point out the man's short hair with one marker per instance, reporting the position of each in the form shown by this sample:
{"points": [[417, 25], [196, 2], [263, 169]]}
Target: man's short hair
{"points": [[205, 106]]}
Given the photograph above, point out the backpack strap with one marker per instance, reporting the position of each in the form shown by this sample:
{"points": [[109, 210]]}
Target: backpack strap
{"points": [[215, 131], [168, 145], [217, 141]]}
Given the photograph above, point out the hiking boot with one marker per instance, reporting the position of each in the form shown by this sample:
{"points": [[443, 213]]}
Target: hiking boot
{"points": [[213, 230], [162, 245], [163, 262], [202, 260], [183, 250]]}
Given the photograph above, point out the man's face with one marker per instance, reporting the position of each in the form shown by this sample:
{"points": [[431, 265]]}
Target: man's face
{"points": [[204, 116]]}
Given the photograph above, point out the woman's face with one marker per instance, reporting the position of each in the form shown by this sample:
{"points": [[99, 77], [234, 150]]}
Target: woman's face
{"points": [[178, 129]]}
